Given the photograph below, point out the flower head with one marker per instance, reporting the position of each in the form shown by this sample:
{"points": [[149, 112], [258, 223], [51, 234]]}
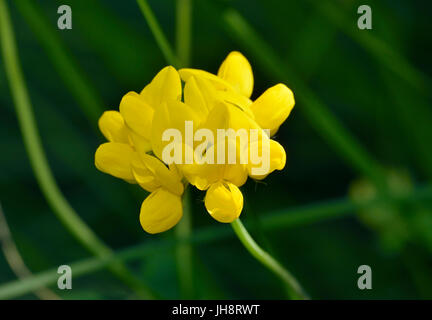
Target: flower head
{"points": [[142, 147]]}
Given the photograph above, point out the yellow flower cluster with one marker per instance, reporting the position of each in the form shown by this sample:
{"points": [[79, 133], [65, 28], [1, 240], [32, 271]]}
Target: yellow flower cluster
{"points": [[222, 101]]}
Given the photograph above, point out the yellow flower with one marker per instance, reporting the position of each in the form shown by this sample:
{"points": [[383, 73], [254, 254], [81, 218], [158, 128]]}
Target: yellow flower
{"points": [[160, 211], [127, 156], [115, 159], [224, 201], [237, 71], [139, 151], [273, 107]]}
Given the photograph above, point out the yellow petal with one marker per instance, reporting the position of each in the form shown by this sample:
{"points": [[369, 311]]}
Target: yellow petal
{"points": [[237, 71], [199, 173], [187, 73], [160, 211], [137, 113], [236, 174], [224, 201], [115, 159], [238, 100], [171, 116], [240, 119], [200, 95], [204, 175], [237, 127], [165, 86], [275, 159], [225, 92], [151, 173], [141, 144], [218, 118], [112, 126], [273, 107], [143, 176]]}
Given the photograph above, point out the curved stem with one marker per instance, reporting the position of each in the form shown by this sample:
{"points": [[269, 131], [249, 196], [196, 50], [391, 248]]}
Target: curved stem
{"points": [[300, 216], [16, 262], [64, 212], [293, 287]]}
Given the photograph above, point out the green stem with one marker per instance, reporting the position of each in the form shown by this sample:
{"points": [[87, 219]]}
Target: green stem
{"points": [[33, 145], [293, 287], [158, 33], [184, 253], [183, 28], [284, 219]]}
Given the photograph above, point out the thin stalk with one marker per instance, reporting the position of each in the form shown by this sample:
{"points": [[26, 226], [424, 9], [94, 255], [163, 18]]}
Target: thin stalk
{"points": [[294, 289], [64, 212], [283, 219], [184, 254], [183, 31], [158, 34]]}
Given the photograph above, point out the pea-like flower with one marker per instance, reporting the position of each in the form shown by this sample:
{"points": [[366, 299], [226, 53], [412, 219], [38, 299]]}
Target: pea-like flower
{"points": [[167, 137]]}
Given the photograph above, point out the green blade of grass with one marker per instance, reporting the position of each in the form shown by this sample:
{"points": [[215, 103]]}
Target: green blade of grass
{"points": [[319, 115], [396, 70], [279, 220], [64, 212], [415, 120], [124, 53], [377, 48], [158, 34], [69, 71]]}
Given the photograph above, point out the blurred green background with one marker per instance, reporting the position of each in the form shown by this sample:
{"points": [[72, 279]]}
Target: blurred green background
{"points": [[363, 111]]}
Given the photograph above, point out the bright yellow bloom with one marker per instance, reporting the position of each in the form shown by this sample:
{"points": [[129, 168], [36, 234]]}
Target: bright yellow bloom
{"points": [[138, 148], [115, 159], [127, 156], [224, 201], [237, 71], [273, 107], [160, 211]]}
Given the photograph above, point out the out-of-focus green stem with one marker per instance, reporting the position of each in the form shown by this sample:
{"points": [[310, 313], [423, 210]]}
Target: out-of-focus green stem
{"points": [[184, 250], [283, 219], [38, 160], [16, 262], [160, 38], [377, 48], [183, 31], [69, 71], [326, 124], [294, 288], [395, 69], [416, 120]]}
